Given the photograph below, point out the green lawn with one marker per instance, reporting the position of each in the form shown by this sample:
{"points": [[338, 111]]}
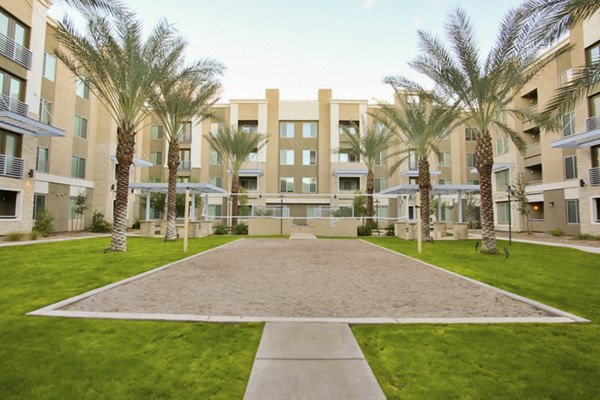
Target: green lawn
{"points": [[60, 358], [512, 361]]}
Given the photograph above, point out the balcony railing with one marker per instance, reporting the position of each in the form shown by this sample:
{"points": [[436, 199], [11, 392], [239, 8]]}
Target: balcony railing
{"points": [[592, 123], [11, 166], [9, 104], [15, 51], [595, 176], [533, 149], [184, 165]]}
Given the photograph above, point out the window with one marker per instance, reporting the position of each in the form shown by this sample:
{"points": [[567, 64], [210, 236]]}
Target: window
{"points": [[412, 160], [309, 129], [13, 88], [8, 204], [39, 204], [502, 212], [470, 160], [287, 129], [215, 158], [156, 132], [348, 156], [309, 185], [81, 89], [594, 103], [444, 182], [286, 157], [382, 211], [309, 157], [45, 112], [380, 184], [502, 179], [473, 182], [253, 156], [78, 167], [216, 181], [156, 157], [470, 135], [571, 167], [73, 214], [568, 123], [596, 208], [444, 160], [592, 53], [186, 132], [348, 127], [80, 129], [184, 160], [183, 179], [41, 164], [286, 185], [349, 184], [501, 145], [572, 211], [248, 126], [381, 159], [250, 183], [565, 77], [49, 67], [215, 210]]}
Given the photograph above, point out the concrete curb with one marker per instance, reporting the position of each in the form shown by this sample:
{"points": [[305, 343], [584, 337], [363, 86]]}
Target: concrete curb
{"points": [[66, 302], [587, 249], [550, 309]]}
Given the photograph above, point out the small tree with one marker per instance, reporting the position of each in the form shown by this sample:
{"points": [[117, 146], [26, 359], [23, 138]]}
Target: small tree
{"points": [[520, 197], [471, 206], [360, 205], [77, 212]]}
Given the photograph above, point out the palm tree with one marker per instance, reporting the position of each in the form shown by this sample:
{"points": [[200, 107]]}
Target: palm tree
{"points": [[234, 146], [87, 6], [420, 126], [180, 99], [482, 87], [122, 69], [553, 19], [370, 147]]}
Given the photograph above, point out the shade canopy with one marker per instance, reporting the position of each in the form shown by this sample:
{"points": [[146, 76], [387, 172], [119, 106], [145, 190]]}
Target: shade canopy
{"points": [[138, 162], [181, 187], [439, 189], [27, 126]]}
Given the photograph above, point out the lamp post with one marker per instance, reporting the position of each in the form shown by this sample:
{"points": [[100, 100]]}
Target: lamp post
{"points": [[281, 215], [509, 190], [377, 215]]}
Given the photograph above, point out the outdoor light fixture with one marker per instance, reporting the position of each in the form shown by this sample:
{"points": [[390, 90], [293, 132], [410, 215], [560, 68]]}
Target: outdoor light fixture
{"points": [[509, 190], [551, 204], [30, 173]]}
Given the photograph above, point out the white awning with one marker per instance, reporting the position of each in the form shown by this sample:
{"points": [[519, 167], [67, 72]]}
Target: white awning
{"points": [[496, 167], [415, 173], [27, 126], [249, 172], [586, 139], [350, 172], [138, 162], [435, 189], [181, 187]]}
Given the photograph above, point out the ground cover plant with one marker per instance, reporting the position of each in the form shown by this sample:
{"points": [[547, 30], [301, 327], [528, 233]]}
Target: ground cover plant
{"points": [[507, 361], [61, 358]]}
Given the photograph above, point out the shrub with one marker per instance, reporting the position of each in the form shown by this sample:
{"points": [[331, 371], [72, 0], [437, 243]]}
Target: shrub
{"points": [[136, 224], [14, 236], [556, 232], [99, 224], [240, 229], [34, 235], [220, 229], [44, 224], [364, 230], [585, 236], [390, 230]]}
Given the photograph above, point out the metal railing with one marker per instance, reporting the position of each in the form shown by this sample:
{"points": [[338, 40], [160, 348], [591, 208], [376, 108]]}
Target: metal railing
{"points": [[13, 167], [184, 165], [592, 123], [595, 176], [15, 51], [9, 104]]}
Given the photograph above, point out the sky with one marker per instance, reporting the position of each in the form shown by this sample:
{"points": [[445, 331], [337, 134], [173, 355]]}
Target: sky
{"points": [[300, 46]]}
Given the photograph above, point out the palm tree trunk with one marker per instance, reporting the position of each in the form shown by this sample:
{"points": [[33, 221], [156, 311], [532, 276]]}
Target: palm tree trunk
{"points": [[125, 151], [370, 190], [173, 164], [424, 188], [235, 189], [484, 156]]}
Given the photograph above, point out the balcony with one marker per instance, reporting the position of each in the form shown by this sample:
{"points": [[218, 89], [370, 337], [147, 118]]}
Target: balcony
{"points": [[595, 176], [9, 104], [12, 167], [14, 51], [184, 165], [533, 149], [592, 123]]}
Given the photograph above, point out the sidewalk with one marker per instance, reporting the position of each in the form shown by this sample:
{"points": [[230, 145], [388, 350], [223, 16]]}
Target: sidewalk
{"points": [[310, 361], [588, 249]]}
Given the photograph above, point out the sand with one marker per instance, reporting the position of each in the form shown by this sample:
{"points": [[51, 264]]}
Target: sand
{"points": [[306, 278]]}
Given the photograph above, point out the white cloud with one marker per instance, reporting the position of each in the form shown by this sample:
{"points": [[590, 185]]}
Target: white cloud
{"points": [[367, 3]]}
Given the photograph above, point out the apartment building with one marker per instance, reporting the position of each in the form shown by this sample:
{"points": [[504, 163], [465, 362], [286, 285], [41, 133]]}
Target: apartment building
{"points": [[561, 168], [57, 142], [307, 168]]}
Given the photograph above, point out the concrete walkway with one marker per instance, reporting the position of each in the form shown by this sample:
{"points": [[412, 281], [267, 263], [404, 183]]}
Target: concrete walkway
{"points": [[588, 249], [310, 361], [302, 236]]}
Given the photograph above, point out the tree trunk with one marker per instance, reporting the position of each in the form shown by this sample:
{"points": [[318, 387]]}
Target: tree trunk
{"points": [[370, 190], [424, 188], [484, 157], [173, 164], [235, 189], [125, 151]]}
